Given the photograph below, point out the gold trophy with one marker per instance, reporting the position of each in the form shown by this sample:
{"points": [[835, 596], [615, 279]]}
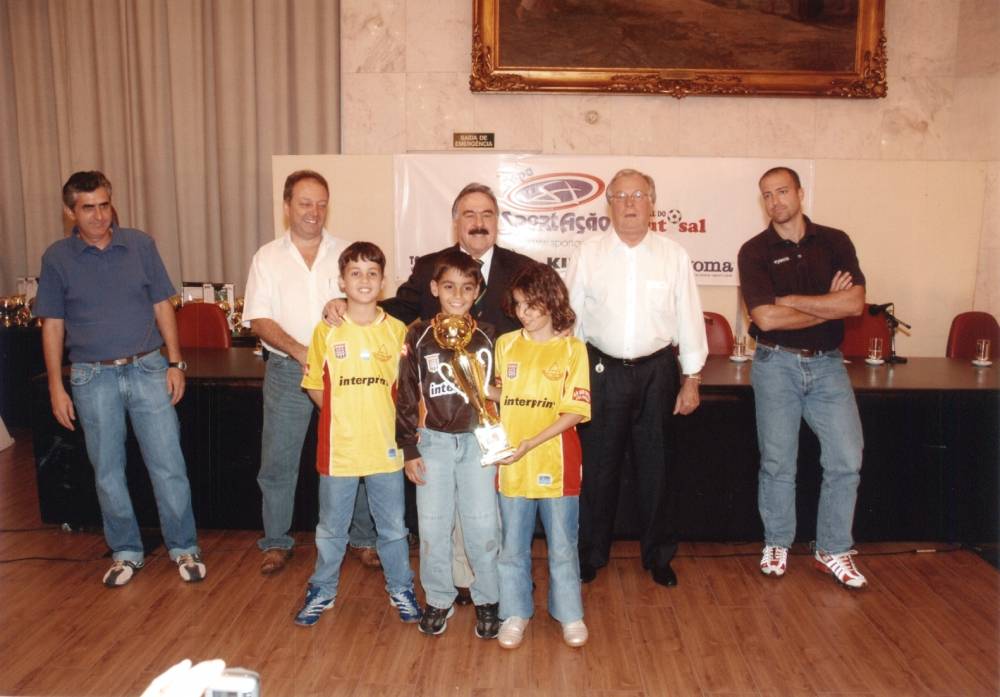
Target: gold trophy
{"points": [[464, 374]]}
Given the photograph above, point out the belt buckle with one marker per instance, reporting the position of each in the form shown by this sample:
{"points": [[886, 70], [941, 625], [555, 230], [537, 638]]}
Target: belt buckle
{"points": [[118, 362]]}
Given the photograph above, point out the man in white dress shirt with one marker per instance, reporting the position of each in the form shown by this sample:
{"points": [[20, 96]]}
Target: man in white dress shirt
{"points": [[291, 279], [638, 309]]}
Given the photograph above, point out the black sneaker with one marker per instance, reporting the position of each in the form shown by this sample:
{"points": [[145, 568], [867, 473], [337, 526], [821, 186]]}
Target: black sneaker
{"points": [[435, 619], [487, 621]]}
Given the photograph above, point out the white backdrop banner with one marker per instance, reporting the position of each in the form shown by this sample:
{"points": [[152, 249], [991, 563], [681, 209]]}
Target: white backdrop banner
{"points": [[550, 204]]}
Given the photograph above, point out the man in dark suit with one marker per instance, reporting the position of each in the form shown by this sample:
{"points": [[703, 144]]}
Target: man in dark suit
{"points": [[474, 220]]}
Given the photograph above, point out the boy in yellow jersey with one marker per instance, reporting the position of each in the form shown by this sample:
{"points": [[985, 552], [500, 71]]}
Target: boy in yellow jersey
{"points": [[544, 392], [352, 370]]}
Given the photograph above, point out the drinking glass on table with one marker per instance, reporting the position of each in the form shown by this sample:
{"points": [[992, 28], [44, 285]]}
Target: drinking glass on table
{"points": [[875, 348], [982, 350]]}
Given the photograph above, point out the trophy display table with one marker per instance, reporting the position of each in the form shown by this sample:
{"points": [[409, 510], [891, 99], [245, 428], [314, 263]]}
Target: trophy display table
{"points": [[930, 467]]}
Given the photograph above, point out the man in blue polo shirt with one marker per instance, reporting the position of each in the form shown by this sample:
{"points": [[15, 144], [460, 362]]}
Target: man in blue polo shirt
{"points": [[104, 291]]}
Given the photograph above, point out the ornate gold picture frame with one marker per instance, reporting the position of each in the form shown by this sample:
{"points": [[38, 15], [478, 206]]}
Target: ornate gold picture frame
{"points": [[814, 48]]}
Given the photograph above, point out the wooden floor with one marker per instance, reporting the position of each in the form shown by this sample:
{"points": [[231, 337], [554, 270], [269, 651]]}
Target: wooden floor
{"points": [[927, 625]]}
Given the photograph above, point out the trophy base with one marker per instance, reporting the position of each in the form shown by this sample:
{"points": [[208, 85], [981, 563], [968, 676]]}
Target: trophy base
{"points": [[493, 442]]}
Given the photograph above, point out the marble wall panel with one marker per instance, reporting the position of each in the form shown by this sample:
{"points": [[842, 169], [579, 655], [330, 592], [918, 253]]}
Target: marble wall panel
{"points": [[849, 129], [515, 119], [978, 38], [440, 36], [916, 118], [713, 126], [644, 125], [576, 124], [923, 36], [373, 36], [373, 110], [781, 127], [437, 106]]}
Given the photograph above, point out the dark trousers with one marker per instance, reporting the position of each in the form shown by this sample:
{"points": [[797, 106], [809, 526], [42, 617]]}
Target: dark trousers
{"points": [[631, 407]]}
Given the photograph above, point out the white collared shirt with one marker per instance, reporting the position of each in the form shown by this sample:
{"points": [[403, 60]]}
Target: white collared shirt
{"points": [[281, 287], [633, 301], [486, 260]]}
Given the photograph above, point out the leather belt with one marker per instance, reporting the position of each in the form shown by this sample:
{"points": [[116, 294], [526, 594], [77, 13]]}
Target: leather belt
{"points": [[805, 353], [632, 362], [120, 361]]}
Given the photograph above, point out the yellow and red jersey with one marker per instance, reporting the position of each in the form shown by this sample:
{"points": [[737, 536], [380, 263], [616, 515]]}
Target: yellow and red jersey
{"points": [[539, 381], [356, 366]]}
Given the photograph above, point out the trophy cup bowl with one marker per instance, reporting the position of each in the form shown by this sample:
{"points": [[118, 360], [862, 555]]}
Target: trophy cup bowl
{"points": [[467, 375]]}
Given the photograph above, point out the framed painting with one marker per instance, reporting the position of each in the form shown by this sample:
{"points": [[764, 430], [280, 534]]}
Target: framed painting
{"points": [[814, 48]]}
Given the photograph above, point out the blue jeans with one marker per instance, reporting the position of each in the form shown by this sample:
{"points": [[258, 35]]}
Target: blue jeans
{"points": [[362, 533], [788, 388], [102, 395], [287, 411], [336, 507], [453, 476], [560, 518]]}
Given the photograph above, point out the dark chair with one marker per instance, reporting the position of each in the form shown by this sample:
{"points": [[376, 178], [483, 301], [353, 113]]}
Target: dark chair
{"points": [[966, 328], [203, 325], [720, 336], [858, 330]]}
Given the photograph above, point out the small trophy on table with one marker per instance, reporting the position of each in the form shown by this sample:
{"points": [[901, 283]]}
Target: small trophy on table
{"points": [[467, 374]]}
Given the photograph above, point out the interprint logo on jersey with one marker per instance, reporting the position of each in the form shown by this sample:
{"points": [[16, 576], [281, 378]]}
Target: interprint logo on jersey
{"points": [[433, 361], [340, 351], [512, 370], [581, 394]]}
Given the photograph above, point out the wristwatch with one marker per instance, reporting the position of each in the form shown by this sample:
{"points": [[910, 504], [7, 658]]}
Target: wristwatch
{"points": [[180, 365]]}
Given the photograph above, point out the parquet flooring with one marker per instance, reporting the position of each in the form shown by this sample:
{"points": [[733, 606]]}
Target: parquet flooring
{"points": [[927, 625]]}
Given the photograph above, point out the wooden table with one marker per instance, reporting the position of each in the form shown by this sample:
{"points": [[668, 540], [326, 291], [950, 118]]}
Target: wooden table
{"points": [[930, 464]]}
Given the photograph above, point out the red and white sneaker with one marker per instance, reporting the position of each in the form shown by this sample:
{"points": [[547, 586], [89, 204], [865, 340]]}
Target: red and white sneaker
{"points": [[774, 561], [842, 567]]}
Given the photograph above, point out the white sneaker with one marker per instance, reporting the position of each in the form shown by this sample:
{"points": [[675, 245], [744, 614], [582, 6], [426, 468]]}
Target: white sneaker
{"points": [[575, 633], [191, 567], [842, 567], [511, 632], [121, 572], [774, 561]]}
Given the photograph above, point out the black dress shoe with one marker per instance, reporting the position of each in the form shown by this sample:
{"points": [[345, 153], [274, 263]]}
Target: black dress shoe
{"points": [[464, 597], [587, 573], [665, 576]]}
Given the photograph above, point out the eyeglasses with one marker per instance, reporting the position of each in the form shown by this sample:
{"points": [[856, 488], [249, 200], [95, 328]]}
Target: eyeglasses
{"points": [[637, 196]]}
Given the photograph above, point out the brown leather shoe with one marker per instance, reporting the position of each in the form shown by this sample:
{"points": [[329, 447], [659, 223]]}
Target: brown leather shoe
{"points": [[367, 555], [275, 560]]}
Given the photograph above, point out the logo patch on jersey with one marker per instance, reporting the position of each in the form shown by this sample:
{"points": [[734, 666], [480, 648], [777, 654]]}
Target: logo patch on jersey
{"points": [[512, 370], [553, 372], [381, 354], [581, 395], [545, 480], [340, 351], [433, 361], [782, 260]]}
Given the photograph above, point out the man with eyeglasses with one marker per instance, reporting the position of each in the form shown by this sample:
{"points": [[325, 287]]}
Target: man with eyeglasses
{"points": [[638, 309]]}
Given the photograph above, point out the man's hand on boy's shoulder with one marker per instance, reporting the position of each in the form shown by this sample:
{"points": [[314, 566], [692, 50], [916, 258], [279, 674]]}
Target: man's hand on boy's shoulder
{"points": [[415, 470], [334, 311]]}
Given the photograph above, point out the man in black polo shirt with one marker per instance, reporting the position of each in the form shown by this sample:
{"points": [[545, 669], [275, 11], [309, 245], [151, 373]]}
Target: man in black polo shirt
{"points": [[799, 281]]}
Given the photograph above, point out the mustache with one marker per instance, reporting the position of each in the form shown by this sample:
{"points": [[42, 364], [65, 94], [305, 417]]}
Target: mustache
{"points": [[479, 231]]}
